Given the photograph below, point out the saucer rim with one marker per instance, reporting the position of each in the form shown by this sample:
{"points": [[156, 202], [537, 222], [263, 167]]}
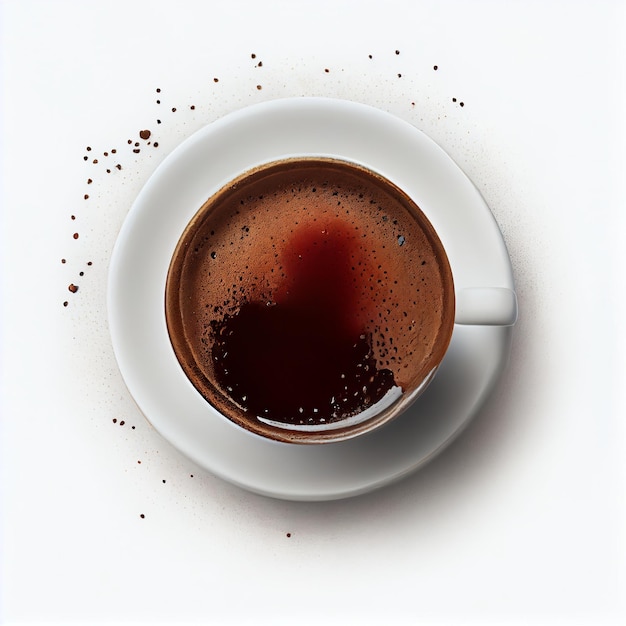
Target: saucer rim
{"points": [[118, 303]]}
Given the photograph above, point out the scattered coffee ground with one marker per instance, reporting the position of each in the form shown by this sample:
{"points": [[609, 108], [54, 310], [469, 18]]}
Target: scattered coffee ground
{"points": [[216, 80], [435, 67], [397, 51], [259, 87], [142, 516], [144, 134], [253, 56], [288, 535], [115, 420], [73, 288], [327, 70]]}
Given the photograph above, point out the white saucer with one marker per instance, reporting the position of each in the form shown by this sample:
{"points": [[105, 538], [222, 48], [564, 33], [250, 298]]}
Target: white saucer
{"points": [[179, 187]]}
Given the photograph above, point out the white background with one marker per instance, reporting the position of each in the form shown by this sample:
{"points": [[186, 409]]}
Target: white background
{"points": [[521, 521]]}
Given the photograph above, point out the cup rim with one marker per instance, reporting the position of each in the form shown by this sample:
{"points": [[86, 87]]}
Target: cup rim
{"points": [[394, 402]]}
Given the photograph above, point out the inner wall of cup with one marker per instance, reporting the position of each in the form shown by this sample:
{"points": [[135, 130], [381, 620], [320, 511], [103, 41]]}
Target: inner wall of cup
{"points": [[410, 314]]}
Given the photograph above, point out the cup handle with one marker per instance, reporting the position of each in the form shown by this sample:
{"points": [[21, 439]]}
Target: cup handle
{"points": [[486, 306]]}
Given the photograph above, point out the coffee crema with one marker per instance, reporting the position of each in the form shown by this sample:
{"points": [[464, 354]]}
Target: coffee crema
{"points": [[305, 294]]}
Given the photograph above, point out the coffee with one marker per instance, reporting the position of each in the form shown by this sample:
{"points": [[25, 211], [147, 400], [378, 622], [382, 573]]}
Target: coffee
{"points": [[305, 294]]}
